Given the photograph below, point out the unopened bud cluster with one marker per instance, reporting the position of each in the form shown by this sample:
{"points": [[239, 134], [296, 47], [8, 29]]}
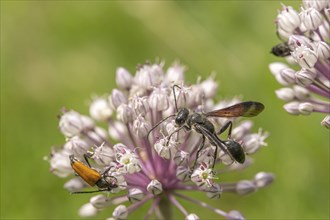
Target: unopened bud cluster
{"points": [[153, 165], [307, 36]]}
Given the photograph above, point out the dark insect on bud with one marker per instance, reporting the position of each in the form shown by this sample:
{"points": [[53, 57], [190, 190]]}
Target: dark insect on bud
{"points": [[281, 50]]}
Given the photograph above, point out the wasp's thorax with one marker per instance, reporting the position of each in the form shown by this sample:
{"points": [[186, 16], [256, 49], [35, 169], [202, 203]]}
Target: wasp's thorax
{"points": [[200, 119]]}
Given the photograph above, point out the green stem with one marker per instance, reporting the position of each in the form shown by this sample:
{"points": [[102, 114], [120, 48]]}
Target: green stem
{"points": [[164, 209]]}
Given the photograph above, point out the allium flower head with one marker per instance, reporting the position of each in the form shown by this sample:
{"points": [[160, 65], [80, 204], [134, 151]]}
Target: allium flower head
{"points": [[145, 155], [307, 38]]}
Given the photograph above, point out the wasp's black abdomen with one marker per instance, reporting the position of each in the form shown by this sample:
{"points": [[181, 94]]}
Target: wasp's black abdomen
{"points": [[236, 150]]}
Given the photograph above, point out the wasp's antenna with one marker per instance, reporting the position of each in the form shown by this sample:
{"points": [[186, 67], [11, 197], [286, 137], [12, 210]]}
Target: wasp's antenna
{"points": [[159, 124], [176, 105], [203, 102]]}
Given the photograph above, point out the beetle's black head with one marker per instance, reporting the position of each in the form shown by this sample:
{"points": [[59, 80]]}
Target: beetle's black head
{"points": [[109, 182]]}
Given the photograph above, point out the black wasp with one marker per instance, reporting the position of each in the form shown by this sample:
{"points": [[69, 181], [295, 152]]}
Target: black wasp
{"points": [[199, 122]]}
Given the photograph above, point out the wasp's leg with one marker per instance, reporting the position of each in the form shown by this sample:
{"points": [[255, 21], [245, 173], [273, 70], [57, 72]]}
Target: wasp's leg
{"points": [[229, 125], [201, 146]]}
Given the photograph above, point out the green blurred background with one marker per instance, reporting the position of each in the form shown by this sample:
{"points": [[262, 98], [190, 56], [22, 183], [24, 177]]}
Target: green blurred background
{"points": [[58, 53]]}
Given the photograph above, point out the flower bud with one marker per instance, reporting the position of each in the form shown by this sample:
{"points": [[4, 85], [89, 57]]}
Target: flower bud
{"points": [[311, 18], [162, 149], [124, 79], [323, 31], [77, 146], [182, 95], [317, 4], [283, 33], [87, 210], [149, 75], [287, 75], [302, 27], [71, 123], [288, 19], [301, 93], [117, 130], [305, 77], [103, 155], [292, 108], [305, 108], [141, 127], [74, 184], [125, 113], [100, 109], [158, 99], [98, 135], [140, 105], [155, 187], [245, 187], [175, 73], [214, 192], [285, 94], [277, 68], [117, 98], [298, 40], [88, 123], [120, 212], [183, 173], [135, 195], [100, 201], [209, 87], [263, 179], [60, 163], [253, 142], [322, 50], [305, 57]]}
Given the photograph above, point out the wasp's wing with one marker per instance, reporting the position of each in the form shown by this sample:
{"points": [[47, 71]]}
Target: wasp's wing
{"points": [[245, 109], [213, 138]]}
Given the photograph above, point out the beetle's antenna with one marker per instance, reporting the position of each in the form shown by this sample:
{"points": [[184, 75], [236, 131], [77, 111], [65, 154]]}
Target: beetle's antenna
{"points": [[94, 191]]}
